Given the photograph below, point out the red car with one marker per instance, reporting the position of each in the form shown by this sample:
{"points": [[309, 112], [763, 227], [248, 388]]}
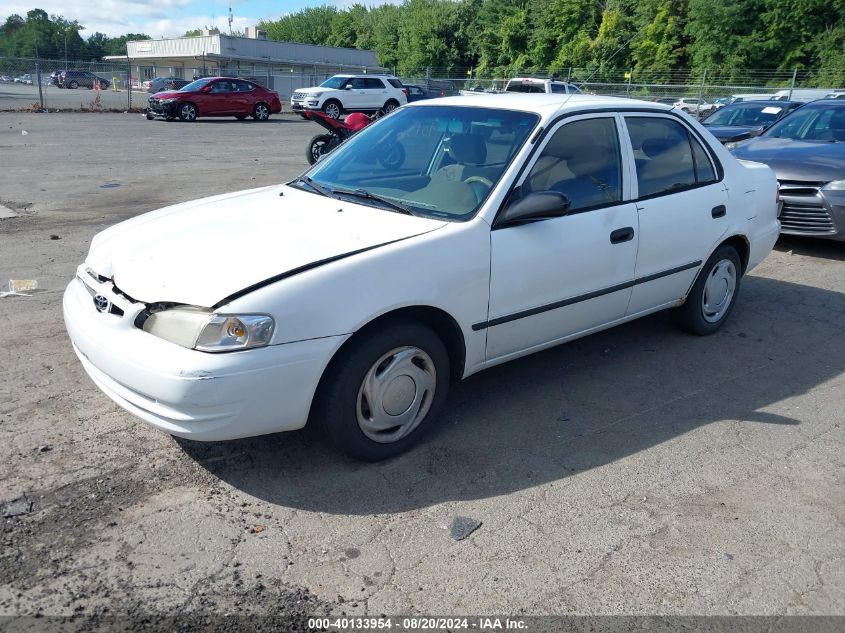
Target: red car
{"points": [[215, 96]]}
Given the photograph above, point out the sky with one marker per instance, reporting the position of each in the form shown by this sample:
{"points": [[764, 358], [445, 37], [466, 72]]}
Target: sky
{"points": [[166, 18]]}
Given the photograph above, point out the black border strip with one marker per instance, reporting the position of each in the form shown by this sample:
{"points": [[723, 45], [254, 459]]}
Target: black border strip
{"points": [[306, 267], [585, 297]]}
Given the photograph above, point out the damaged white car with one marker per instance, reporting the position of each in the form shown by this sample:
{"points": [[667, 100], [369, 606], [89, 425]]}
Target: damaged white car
{"points": [[352, 296]]}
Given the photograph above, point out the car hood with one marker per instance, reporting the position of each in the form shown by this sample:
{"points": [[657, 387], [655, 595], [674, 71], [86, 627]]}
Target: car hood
{"points": [[727, 133], [167, 94], [312, 90], [817, 161], [201, 252]]}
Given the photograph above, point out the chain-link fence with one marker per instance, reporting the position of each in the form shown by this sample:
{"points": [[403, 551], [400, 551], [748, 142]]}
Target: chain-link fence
{"points": [[28, 83], [708, 84]]}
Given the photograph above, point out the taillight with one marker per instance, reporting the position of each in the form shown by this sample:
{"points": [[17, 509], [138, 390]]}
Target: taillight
{"points": [[405, 90]]}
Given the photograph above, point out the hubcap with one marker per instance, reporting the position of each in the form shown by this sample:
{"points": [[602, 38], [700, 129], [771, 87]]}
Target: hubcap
{"points": [[188, 113], [719, 290], [333, 111], [396, 394], [262, 112], [390, 107]]}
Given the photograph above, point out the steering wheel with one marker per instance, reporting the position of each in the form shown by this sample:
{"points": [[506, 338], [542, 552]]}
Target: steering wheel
{"points": [[484, 181]]}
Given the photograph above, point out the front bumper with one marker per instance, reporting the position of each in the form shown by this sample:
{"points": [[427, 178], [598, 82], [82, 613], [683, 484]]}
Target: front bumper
{"points": [[184, 392], [812, 212], [158, 108], [304, 104]]}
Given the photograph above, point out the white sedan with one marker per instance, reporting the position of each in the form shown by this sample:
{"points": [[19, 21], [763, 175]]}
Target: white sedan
{"points": [[352, 296]]}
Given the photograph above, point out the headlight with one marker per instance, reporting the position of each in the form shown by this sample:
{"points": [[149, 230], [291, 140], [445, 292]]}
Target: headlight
{"points": [[314, 95], [732, 145], [835, 185], [200, 329], [168, 100]]}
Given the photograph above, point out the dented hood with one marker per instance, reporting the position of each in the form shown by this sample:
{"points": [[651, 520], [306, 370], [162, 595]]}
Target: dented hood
{"points": [[203, 251]]}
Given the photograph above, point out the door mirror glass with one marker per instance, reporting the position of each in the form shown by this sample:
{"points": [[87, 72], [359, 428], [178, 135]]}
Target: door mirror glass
{"points": [[538, 205]]}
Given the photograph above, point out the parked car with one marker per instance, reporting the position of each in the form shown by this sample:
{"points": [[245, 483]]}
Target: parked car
{"points": [[351, 93], [56, 78], [420, 93], [534, 84], [802, 94], [835, 95], [664, 100], [694, 105], [740, 121], [159, 84], [255, 312], [24, 79], [6, 79], [215, 96], [74, 79], [806, 149]]}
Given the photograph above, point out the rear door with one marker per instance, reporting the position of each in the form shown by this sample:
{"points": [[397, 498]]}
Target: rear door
{"points": [[682, 204], [243, 97], [356, 95], [375, 93]]}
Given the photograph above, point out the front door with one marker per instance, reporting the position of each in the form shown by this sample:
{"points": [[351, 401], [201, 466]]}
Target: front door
{"points": [[683, 208], [218, 100], [555, 278]]}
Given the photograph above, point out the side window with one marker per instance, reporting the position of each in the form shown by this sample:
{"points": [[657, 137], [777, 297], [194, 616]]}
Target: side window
{"points": [[359, 83], [704, 172], [558, 88], [220, 86], [662, 153], [582, 160], [374, 84], [243, 86]]}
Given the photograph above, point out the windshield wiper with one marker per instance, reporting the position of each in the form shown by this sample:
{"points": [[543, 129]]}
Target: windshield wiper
{"points": [[323, 191], [367, 195]]}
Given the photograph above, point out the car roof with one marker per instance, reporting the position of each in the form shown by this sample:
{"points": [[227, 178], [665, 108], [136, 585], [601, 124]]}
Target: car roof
{"points": [[543, 103], [763, 102], [824, 103]]}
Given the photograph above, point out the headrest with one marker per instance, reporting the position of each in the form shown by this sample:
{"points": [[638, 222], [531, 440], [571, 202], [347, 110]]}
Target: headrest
{"points": [[468, 149], [655, 146]]}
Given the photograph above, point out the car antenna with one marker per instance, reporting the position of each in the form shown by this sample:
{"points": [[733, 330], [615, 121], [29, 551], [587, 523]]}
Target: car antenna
{"points": [[592, 74]]}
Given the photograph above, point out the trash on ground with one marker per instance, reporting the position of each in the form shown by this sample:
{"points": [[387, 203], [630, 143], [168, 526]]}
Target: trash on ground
{"points": [[256, 529], [17, 507], [109, 185], [24, 132], [18, 287], [55, 237], [6, 212], [462, 527]]}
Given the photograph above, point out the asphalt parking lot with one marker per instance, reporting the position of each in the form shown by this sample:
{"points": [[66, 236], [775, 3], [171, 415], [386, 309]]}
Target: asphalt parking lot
{"points": [[636, 471]]}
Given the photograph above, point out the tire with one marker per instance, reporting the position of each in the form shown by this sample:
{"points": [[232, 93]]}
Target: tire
{"points": [[150, 117], [240, 117], [408, 355], [317, 146], [713, 295], [73, 85], [333, 109], [187, 112], [261, 112], [390, 106]]}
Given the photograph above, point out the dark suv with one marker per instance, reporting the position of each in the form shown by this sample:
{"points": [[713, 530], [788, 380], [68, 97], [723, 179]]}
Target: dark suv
{"points": [[81, 79]]}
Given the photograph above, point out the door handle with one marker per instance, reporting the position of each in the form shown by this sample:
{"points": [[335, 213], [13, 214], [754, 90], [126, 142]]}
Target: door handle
{"points": [[622, 235], [718, 212]]}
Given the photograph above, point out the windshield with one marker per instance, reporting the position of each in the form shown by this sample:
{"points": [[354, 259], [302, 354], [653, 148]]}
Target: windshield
{"points": [[812, 124], [196, 85], [333, 82], [751, 115], [438, 161]]}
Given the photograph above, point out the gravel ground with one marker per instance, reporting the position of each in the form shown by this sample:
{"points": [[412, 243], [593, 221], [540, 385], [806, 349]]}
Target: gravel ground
{"points": [[635, 471]]}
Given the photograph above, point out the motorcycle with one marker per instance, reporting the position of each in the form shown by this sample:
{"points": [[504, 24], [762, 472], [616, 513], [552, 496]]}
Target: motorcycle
{"points": [[339, 131]]}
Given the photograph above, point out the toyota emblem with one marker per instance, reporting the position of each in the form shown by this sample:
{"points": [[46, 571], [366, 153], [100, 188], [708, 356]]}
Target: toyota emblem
{"points": [[101, 303]]}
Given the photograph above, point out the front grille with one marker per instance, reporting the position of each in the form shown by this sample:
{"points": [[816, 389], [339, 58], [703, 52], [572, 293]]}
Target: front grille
{"points": [[298, 95], [804, 210]]}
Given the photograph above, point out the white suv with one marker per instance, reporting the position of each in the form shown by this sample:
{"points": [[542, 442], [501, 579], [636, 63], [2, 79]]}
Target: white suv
{"points": [[351, 93]]}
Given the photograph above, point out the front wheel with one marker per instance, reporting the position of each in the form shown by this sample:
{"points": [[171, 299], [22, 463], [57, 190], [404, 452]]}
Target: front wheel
{"points": [[73, 85], [713, 295], [317, 146], [188, 112], [385, 391], [332, 109]]}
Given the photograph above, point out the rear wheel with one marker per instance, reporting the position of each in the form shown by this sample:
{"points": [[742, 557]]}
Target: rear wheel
{"points": [[390, 106], [317, 146], [385, 391], [188, 112], [332, 109], [261, 112], [713, 295]]}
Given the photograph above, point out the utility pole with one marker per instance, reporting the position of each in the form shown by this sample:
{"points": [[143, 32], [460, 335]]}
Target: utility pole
{"points": [[792, 85], [65, 50]]}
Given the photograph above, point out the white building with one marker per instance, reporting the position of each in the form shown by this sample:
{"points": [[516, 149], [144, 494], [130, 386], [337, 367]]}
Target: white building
{"points": [[282, 66]]}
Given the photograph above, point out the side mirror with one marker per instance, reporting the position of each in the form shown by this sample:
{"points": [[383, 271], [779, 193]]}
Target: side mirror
{"points": [[348, 87], [757, 131], [539, 205], [205, 89]]}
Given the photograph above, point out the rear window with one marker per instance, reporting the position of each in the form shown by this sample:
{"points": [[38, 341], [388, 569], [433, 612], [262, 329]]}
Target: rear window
{"points": [[395, 83], [520, 87]]}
